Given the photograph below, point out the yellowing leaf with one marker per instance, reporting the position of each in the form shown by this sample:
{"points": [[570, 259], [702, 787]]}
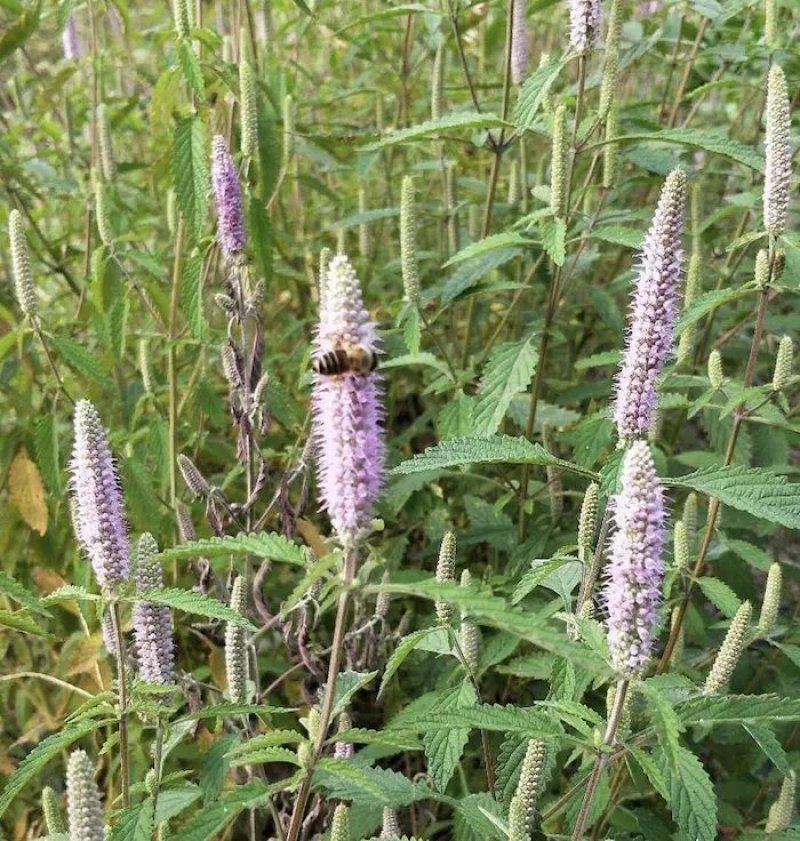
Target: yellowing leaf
{"points": [[26, 492]]}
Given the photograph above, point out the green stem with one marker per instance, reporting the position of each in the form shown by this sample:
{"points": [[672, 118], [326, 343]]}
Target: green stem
{"points": [[177, 268], [122, 686]]}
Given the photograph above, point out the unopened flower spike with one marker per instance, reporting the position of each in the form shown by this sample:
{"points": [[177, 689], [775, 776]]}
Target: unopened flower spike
{"points": [[99, 516], [681, 546], [716, 377], [587, 522], [390, 826], [470, 634], [608, 87], [182, 19], [635, 563], [84, 808], [611, 150], [693, 291], [364, 239], [21, 265], [102, 216], [108, 168], [772, 601], [227, 200], [584, 24], [288, 130], [652, 315], [322, 280], [152, 623], [730, 651], [783, 364], [248, 102], [516, 820], [194, 479], [408, 241], [437, 81], [348, 408], [771, 24], [53, 819], [782, 810], [689, 517], [520, 42], [531, 778], [778, 167], [344, 750], [558, 167], [236, 660], [446, 574], [340, 826]]}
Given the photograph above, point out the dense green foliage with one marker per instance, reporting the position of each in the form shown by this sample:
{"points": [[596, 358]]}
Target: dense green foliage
{"points": [[498, 384]]}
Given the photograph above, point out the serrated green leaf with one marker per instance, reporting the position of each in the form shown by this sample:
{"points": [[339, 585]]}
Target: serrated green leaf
{"points": [[343, 779], [508, 372], [11, 587], [190, 601], [444, 747], [276, 547], [754, 490], [554, 239], [720, 595], [736, 709], [499, 449], [23, 621], [710, 301], [191, 68], [401, 651], [31, 767], [507, 239], [491, 717], [347, 685], [766, 740], [266, 755], [70, 593], [534, 91], [651, 770], [135, 823], [17, 32], [191, 296], [691, 796], [226, 710], [460, 121], [172, 801], [81, 360], [260, 234], [45, 446], [190, 172], [667, 725], [208, 822], [543, 568], [214, 767], [470, 272]]}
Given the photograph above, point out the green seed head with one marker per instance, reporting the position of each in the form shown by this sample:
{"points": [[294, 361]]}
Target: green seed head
{"points": [[730, 651], [249, 106], [681, 542], [782, 810], [101, 212], [690, 517], [611, 150], [182, 19], [693, 290], [437, 82], [587, 522], [608, 87], [446, 573], [531, 778], [340, 827], [106, 150], [364, 243], [516, 820], [236, 660], [53, 819], [390, 828]]}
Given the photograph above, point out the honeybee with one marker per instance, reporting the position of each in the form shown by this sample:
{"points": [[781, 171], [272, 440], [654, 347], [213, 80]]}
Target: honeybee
{"points": [[348, 359]]}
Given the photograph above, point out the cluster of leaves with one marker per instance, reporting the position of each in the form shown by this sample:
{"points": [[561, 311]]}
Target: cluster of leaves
{"points": [[474, 377]]}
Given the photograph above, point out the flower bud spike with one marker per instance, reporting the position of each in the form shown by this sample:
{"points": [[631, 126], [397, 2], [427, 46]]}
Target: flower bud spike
{"points": [[635, 564], [99, 515], [730, 651], [772, 601], [558, 167], [587, 522], [690, 517], [445, 574], [653, 312], [716, 376], [383, 600], [193, 477], [520, 42], [693, 291], [152, 623], [102, 217], [236, 660], [248, 103], [584, 24], [344, 750], [771, 24], [84, 808], [516, 820], [531, 778], [778, 167], [681, 542], [390, 827], [782, 810], [21, 265], [182, 20], [51, 809], [322, 281], [364, 241], [340, 826], [106, 151], [437, 81], [513, 184], [783, 364], [288, 130], [608, 87], [611, 150], [408, 241]]}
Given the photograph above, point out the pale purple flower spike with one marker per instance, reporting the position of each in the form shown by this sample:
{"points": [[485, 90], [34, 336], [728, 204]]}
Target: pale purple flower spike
{"points": [[653, 312], [227, 199], [152, 623], [70, 40], [348, 410], [98, 513], [635, 566], [584, 24], [520, 44]]}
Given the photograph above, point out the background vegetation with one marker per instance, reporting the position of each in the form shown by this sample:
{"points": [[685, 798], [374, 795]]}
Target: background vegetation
{"points": [[518, 333]]}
